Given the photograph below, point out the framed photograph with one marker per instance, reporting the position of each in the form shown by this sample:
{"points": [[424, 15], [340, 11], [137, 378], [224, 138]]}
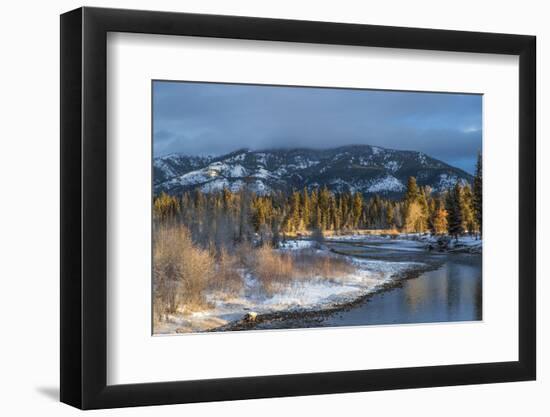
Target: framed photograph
{"points": [[257, 208]]}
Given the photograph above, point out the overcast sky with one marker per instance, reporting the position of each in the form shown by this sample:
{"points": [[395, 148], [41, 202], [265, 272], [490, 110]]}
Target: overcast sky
{"points": [[213, 119]]}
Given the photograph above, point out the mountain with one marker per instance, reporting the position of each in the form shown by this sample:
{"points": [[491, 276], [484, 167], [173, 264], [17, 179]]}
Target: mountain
{"points": [[356, 168]]}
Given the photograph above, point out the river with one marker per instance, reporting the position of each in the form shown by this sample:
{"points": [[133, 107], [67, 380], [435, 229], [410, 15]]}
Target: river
{"points": [[449, 291]]}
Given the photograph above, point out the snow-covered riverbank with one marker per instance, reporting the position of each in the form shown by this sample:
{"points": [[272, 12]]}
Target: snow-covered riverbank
{"points": [[415, 242], [318, 293]]}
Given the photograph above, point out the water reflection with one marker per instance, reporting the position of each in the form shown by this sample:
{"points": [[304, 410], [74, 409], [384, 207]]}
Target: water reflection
{"points": [[453, 292]]}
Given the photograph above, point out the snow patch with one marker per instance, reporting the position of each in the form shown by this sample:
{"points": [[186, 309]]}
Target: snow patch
{"points": [[421, 158], [237, 171], [263, 173], [261, 158], [393, 166], [259, 187], [216, 185], [295, 244], [387, 183], [448, 181]]}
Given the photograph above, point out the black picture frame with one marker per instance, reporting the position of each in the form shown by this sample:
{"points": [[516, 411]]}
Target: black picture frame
{"points": [[84, 207]]}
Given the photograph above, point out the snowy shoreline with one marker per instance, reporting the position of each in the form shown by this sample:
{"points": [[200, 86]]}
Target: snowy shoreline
{"points": [[417, 242], [312, 295]]}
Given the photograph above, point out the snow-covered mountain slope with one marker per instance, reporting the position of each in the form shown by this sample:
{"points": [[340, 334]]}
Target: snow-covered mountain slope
{"points": [[356, 168]]}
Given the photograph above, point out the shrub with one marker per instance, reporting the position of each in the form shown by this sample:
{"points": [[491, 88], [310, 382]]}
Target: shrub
{"points": [[309, 264], [277, 270], [227, 278], [273, 269], [181, 271]]}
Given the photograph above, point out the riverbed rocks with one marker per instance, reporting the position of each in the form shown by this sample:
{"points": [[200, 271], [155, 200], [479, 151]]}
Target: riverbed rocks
{"points": [[251, 316], [452, 245]]}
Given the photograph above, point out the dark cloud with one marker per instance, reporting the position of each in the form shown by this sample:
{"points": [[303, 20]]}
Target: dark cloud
{"points": [[203, 118]]}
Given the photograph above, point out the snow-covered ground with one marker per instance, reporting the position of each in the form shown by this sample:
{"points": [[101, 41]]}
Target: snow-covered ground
{"points": [[387, 183], [349, 238], [411, 241], [303, 295], [383, 242], [467, 243], [294, 244]]}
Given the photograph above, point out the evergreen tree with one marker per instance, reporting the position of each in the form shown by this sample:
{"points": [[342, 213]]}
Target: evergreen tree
{"points": [[259, 215], [333, 214], [295, 211], [467, 210], [324, 197], [432, 214], [390, 224], [244, 229], [440, 224], [454, 215], [317, 219], [412, 191], [306, 209], [478, 193], [416, 208], [357, 209], [424, 211], [413, 220]]}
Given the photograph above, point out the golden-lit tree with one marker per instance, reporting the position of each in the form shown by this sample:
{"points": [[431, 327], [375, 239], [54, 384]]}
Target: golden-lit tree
{"points": [[440, 221]]}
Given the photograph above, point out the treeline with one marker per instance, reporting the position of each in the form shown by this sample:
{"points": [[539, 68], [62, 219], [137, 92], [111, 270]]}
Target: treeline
{"points": [[225, 217]]}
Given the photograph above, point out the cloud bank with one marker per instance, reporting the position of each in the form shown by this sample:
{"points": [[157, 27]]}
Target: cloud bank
{"points": [[210, 119]]}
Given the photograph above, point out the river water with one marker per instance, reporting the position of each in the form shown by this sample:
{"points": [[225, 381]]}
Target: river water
{"points": [[450, 292]]}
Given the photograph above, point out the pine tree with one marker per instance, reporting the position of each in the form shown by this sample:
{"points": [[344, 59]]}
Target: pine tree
{"points": [[324, 196], [454, 215], [337, 215], [346, 211], [357, 209], [315, 211], [413, 220], [478, 193], [306, 209], [259, 215], [390, 216], [440, 221], [467, 210], [333, 214], [244, 231], [432, 214], [440, 224], [295, 211], [412, 191], [416, 208], [318, 220], [424, 210]]}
